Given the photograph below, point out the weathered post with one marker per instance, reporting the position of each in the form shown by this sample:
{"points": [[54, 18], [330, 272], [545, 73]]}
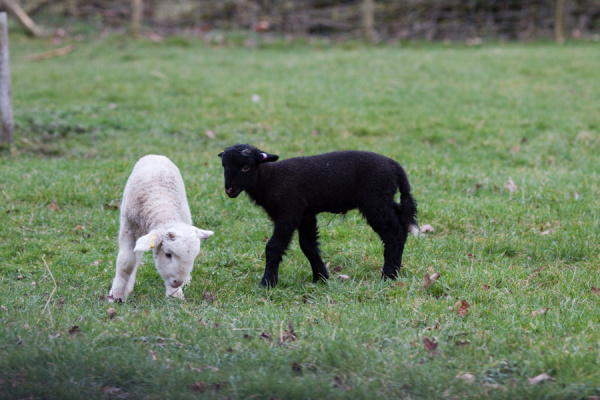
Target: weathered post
{"points": [[559, 21], [137, 10], [368, 18], [6, 117]]}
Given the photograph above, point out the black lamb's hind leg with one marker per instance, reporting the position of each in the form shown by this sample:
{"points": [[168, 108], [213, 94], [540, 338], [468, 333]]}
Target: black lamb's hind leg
{"points": [[384, 220], [276, 247], [308, 235]]}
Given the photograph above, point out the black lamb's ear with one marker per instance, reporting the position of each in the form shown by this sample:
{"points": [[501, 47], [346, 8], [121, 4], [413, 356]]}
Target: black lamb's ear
{"points": [[266, 157], [221, 154]]}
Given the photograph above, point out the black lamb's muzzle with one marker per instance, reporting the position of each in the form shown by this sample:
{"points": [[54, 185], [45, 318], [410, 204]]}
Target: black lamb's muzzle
{"points": [[233, 193]]}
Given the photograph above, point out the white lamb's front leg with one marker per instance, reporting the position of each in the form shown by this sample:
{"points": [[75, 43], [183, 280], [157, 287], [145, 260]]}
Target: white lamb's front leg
{"points": [[127, 263]]}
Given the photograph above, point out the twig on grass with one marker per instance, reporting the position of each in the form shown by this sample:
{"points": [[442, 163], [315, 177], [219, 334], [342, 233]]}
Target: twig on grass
{"points": [[54, 290], [53, 53]]}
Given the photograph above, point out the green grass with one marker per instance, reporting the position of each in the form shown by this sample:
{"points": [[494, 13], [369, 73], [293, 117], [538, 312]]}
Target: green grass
{"points": [[462, 121]]}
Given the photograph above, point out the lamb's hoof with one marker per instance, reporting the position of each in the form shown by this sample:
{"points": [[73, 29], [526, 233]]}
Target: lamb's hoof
{"points": [[265, 284], [111, 299]]}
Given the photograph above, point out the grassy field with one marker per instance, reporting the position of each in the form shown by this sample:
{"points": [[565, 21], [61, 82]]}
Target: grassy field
{"points": [[500, 143]]}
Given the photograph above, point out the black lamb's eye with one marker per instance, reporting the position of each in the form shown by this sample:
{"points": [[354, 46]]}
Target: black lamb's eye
{"points": [[245, 168], [168, 255]]}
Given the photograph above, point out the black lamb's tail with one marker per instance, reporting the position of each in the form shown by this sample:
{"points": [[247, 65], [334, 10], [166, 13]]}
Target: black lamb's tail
{"points": [[408, 205]]}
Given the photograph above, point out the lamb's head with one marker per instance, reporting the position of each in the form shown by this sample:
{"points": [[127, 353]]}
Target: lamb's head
{"points": [[174, 250], [240, 164]]}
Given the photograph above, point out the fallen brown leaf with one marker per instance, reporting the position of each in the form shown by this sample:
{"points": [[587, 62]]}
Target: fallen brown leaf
{"points": [[510, 185], [540, 378], [296, 367], [343, 278], [78, 228], [153, 355], [111, 313], [339, 383], [467, 377], [595, 290], [540, 312], [485, 287], [430, 346], [53, 206], [462, 308], [198, 386], [266, 336], [289, 335], [210, 134], [208, 297], [196, 369], [337, 268], [74, 330], [430, 279]]}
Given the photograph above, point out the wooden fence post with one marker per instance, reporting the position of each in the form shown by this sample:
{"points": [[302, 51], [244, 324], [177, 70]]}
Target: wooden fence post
{"points": [[137, 9], [6, 117], [368, 12], [559, 21]]}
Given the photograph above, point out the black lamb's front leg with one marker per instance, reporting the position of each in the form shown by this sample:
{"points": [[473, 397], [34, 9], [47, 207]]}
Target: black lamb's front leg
{"points": [[308, 235], [276, 247]]}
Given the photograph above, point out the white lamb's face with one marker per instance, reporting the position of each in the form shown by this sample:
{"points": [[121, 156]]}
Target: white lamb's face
{"points": [[174, 252], [174, 259]]}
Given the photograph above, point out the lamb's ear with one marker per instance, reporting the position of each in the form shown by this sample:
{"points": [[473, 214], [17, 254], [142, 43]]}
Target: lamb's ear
{"points": [[149, 241], [221, 154], [202, 234], [266, 157]]}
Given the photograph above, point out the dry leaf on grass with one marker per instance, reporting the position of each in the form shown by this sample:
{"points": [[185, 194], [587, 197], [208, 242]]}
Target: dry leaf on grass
{"points": [[289, 335], [430, 346], [510, 185], [462, 308], [111, 313], [210, 134], [540, 312], [467, 377], [595, 290], [540, 378], [430, 277], [153, 355], [198, 386], [343, 278], [53, 206], [297, 368], [74, 331], [208, 297]]}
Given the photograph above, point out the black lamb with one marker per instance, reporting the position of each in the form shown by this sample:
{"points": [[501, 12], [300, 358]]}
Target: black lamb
{"points": [[295, 190]]}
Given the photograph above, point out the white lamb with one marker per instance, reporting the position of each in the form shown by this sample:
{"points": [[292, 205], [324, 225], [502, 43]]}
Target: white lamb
{"points": [[155, 215]]}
